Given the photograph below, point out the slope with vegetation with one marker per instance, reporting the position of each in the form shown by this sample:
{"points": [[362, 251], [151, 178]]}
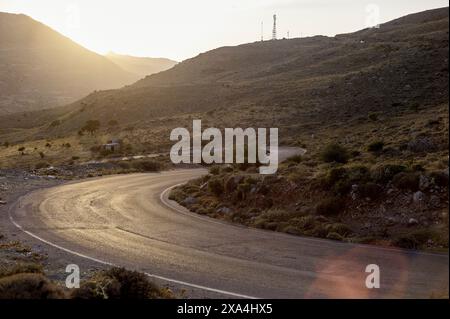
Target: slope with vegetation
{"points": [[297, 85], [371, 108], [376, 170]]}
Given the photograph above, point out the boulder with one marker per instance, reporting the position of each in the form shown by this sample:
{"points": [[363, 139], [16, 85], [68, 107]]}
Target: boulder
{"points": [[424, 182], [435, 201], [189, 201], [418, 197], [223, 210], [421, 145]]}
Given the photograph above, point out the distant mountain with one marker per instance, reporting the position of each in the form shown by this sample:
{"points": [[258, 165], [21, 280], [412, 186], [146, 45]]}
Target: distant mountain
{"points": [[141, 66], [40, 68], [298, 85]]}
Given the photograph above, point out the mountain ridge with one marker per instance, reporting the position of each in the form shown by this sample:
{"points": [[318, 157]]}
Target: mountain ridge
{"points": [[31, 61], [295, 84], [141, 66]]}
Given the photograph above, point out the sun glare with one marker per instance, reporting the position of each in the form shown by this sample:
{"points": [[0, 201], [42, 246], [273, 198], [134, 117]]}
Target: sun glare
{"points": [[180, 29]]}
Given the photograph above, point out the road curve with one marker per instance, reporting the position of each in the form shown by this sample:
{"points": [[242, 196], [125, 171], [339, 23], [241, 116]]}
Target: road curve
{"points": [[127, 220]]}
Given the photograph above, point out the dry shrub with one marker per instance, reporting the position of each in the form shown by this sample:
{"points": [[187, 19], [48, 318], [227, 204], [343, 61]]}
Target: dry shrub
{"points": [[120, 283], [29, 286]]}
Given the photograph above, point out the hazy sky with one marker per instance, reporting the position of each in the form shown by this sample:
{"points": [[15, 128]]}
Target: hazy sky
{"points": [[180, 29]]}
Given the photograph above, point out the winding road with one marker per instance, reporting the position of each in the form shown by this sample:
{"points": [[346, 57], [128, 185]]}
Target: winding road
{"points": [[128, 221]]}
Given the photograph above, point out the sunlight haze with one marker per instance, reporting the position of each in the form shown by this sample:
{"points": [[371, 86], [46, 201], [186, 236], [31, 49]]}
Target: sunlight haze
{"points": [[179, 29]]}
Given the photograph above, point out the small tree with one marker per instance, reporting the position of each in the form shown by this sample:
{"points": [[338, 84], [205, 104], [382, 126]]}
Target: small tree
{"points": [[373, 117], [335, 153], [376, 147], [91, 126], [113, 123]]}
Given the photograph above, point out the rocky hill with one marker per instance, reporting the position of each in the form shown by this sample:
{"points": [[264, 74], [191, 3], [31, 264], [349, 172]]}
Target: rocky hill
{"points": [[401, 66]]}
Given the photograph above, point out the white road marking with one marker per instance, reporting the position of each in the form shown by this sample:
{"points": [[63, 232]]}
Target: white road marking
{"points": [[183, 283], [223, 292], [307, 239]]}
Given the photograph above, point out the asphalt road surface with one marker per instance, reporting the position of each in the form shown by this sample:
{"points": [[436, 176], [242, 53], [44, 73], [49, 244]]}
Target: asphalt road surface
{"points": [[128, 221]]}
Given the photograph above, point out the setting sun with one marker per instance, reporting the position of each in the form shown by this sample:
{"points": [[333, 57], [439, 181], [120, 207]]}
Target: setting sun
{"points": [[180, 29]]}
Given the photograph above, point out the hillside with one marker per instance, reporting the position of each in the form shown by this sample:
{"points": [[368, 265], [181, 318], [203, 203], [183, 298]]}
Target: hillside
{"points": [[141, 66], [313, 89], [376, 168], [40, 68], [400, 66]]}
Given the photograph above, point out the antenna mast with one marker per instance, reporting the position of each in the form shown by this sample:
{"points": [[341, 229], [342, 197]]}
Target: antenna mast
{"points": [[274, 31], [262, 31]]}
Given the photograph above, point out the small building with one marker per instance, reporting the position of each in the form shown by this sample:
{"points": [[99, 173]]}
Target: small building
{"points": [[112, 146]]}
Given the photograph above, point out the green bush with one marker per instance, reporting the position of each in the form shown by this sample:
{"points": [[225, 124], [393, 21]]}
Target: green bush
{"points": [[55, 123], [415, 239], [304, 223], [29, 286], [331, 206], [336, 175], [275, 215], [147, 166], [230, 184], [124, 165], [296, 176], [407, 181], [275, 219], [295, 159], [335, 236], [373, 116], [318, 231], [376, 147], [358, 173], [41, 165], [113, 123], [91, 126], [215, 186], [341, 229], [370, 190], [214, 170], [177, 194], [440, 178], [105, 152], [334, 153], [244, 188], [338, 180], [341, 179], [227, 169], [385, 173]]}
